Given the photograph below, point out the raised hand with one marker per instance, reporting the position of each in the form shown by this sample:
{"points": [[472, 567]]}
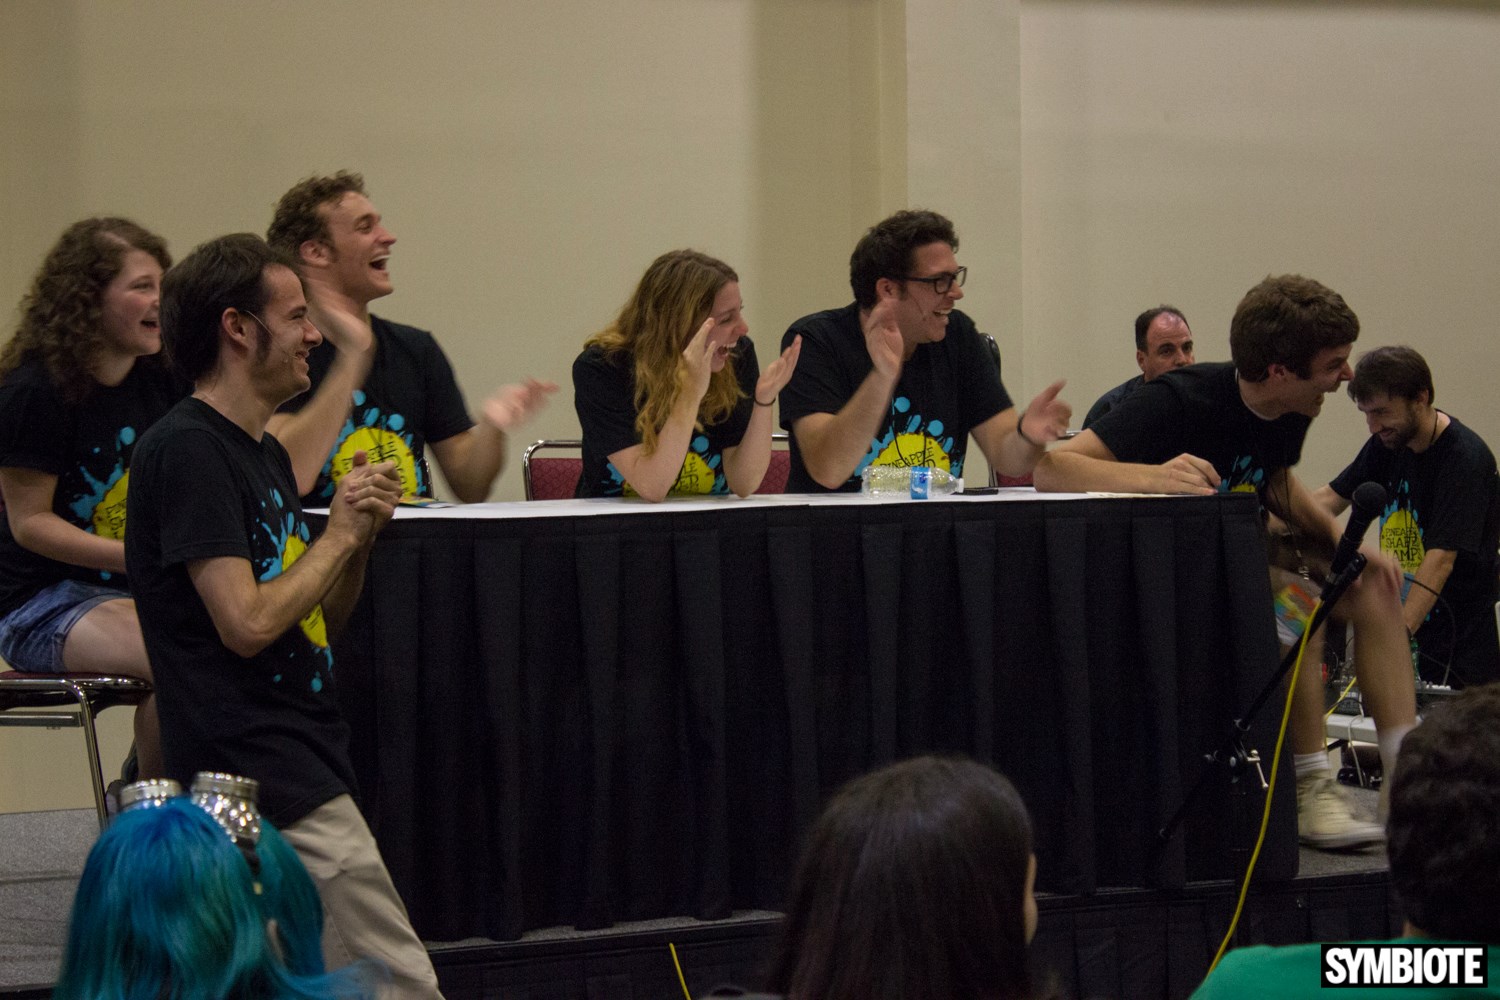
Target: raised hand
{"points": [[1046, 417], [512, 407], [335, 316], [694, 368], [883, 338], [779, 372]]}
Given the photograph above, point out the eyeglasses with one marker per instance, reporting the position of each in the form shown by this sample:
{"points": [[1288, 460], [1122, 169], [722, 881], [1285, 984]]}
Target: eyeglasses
{"points": [[942, 282]]}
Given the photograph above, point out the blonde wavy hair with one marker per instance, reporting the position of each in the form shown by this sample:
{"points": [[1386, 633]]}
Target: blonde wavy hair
{"points": [[671, 302], [60, 313]]}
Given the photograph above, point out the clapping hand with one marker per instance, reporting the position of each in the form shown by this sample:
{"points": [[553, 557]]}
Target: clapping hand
{"points": [[883, 338], [511, 407], [778, 373], [369, 492]]}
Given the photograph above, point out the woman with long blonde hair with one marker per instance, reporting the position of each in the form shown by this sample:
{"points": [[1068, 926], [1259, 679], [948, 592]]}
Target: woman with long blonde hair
{"points": [[670, 396]]}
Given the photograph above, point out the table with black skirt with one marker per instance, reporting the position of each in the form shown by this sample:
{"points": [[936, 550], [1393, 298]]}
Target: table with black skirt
{"points": [[583, 712]]}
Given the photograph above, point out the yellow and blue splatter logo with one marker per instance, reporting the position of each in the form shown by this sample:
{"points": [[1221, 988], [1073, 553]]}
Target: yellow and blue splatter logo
{"points": [[287, 538], [909, 440]]}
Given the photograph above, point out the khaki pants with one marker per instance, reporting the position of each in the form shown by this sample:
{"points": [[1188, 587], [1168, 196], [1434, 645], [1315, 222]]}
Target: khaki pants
{"points": [[363, 917]]}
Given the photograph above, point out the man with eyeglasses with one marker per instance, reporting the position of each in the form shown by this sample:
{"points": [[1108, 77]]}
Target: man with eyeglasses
{"points": [[1162, 342], [237, 601], [400, 383], [900, 376]]}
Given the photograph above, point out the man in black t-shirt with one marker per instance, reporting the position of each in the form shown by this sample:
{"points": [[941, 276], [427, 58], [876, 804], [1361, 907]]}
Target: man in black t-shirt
{"points": [[900, 376], [401, 387], [1239, 427], [1442, 516], [236, 601], [1163, 343]]}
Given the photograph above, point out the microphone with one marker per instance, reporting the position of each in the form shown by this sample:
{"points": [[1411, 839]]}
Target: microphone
{"points": [[1367, 501]]}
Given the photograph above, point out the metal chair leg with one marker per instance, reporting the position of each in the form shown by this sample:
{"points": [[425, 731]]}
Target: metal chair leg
{"points": [[91, 738]]}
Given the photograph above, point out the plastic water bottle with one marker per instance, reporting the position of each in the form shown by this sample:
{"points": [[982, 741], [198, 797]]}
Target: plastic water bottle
{"points": [[918, 482]]}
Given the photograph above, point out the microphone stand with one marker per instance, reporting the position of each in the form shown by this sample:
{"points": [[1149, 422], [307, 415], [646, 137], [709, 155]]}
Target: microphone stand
{"points": [[1232, 756]]}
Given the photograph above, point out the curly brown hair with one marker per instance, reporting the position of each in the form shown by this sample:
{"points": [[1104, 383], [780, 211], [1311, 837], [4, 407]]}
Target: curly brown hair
{"points": [[297, 218], [60, 313]]}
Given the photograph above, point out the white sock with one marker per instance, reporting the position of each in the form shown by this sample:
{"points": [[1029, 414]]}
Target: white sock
{"points": [[1390, 739], [1311, 764]]}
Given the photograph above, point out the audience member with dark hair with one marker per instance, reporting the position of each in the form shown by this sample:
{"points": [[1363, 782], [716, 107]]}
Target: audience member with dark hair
{"points": [[901, 377], [167, 907], [915, 882], [80, 382], [1444, 851], [670, 396]]}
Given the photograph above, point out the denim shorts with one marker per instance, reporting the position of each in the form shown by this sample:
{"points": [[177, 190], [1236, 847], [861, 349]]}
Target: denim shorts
{"points": [[32, 636]]}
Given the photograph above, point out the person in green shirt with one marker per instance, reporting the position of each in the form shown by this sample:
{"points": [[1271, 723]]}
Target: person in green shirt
{"points": [[1444, 851]]}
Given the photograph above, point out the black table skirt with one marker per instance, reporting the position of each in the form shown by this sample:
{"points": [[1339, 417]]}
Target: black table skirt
{"points": [[584, 720]]}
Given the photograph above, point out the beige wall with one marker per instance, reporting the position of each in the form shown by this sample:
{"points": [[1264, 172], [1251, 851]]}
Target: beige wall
{"points": [[532, 158], [1180, 152]]}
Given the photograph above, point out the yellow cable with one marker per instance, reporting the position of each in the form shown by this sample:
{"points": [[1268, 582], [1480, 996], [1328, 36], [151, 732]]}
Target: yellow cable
{"points": [[1342, 695], [1265, 817], [673, 948]]}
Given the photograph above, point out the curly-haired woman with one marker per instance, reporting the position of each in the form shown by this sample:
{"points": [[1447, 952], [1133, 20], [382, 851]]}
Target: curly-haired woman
{"points": [[79, 383]]}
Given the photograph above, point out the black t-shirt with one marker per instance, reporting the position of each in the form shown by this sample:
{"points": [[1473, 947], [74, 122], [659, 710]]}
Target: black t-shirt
{"points": [[1447, 497], [1111, 399], [409, 398], [604, 396], [1198, 410], [88, 446], [203, 489], [945, 390]]}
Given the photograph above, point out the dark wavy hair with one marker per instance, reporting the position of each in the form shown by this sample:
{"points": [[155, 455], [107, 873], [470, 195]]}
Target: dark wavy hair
{"points": [[1445, 811], [912, 884], [60, 312], [885, 250], [297, 218], [167, 907], [1287, 320]]}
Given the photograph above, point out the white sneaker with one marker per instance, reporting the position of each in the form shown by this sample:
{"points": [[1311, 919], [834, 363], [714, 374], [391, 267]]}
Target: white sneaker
{"points": [[1326, 819]]}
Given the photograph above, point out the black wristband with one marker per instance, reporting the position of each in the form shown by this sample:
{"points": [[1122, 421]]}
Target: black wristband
{"points": [[1022, 430], [771, 403]]}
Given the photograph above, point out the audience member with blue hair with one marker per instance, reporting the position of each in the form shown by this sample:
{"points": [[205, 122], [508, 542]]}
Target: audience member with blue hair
{"points": [[168, 909]]}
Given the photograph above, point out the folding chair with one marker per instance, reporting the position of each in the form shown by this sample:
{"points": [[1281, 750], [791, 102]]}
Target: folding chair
{"points": [[552, 478], [774, 481], [25, 697]]}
